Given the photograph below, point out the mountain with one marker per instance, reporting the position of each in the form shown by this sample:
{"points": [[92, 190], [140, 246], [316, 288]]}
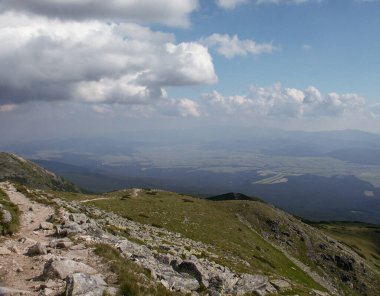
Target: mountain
{"points": [[20, 170], [232, 196], [231, 242]]}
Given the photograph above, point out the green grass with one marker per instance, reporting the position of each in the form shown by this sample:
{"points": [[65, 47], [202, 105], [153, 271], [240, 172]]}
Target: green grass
{"points": [[13, 226], [133, 280], [211, 223], [363, 238]]}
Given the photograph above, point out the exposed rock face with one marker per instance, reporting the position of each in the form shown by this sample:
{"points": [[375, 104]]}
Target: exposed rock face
{"points": [[61, 268], [81, 284]]}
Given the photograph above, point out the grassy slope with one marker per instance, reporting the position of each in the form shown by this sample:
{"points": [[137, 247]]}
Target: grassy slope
{"points": [[12, 227], [25, 172], [363, 238], [210, 222]]}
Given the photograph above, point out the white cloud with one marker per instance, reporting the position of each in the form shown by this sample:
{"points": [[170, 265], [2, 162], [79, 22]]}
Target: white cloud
{"points": [[231, 46], [92, 61], [230, 4], [167, 12], [279, 102]]}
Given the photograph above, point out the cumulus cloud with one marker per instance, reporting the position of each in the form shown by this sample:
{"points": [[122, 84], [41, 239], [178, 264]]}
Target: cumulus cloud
{"points": [[92, 61], [231, 46], [168, 12], [230, 4], [280, 102]]}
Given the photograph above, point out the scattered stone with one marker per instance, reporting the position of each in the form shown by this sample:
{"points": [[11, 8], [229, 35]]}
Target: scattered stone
{"points": [[6, 216], [61, 268], [14, 249], [281, 285], [9, 291], [111, 291], [81, 284], [63, 243], [37, 249], [46, 226], [4, 251]]}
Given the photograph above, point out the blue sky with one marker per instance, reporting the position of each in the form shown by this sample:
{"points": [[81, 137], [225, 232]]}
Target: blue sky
{"points": [[333, 45], [294, 64]]}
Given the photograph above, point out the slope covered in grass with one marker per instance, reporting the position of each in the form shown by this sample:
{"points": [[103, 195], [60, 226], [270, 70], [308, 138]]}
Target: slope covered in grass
{"points": [[22, 171]]}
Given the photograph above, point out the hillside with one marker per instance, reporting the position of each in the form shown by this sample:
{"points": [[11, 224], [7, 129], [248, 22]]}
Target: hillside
{"points": [[154, 242], [20, 170]]}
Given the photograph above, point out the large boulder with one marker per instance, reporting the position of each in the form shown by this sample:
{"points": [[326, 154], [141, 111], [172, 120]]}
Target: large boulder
{"points": [[81, 284], [61, 268]]}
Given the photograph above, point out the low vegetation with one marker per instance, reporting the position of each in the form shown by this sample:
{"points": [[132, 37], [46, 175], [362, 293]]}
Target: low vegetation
{"points": [[11, 227], [236, 245]]}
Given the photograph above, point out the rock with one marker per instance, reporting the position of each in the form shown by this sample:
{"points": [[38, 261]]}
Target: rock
{"points": [[14, 249], [111, 291], [191, 268], [46, 226], [345, 263], [46, 292], [63, 243], [248, 283], [4, 251], [61, 268], [4, 291], [37, 249], [81, 284], [6, 216], [281, 285], [78, 218]]}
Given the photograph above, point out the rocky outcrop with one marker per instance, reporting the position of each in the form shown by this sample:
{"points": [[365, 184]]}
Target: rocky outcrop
{"points": [[81, 284], [61, 268]]}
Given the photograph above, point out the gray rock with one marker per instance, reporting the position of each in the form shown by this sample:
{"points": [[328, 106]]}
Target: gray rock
{"points": [[81, 284], [4, 251], [6, 216], [61, 268], [281, 285], [46, 226], [249, 283], [78, 218], [63, 243], [4, 291], [37, 249]]}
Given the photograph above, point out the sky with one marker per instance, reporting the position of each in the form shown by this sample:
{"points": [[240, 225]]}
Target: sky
{"points": [[89, 67]]}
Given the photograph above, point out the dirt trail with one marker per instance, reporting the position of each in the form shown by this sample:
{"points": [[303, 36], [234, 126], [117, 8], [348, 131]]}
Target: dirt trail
{"points": [[17, 270]]}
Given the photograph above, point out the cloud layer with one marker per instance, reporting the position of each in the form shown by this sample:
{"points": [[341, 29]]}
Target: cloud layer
{"points": [[167, 12], [92, 61], [279, 102]]}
